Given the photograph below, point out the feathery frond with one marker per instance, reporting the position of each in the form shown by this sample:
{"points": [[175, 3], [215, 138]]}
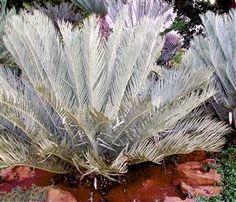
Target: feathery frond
{"points": [[5, 58], [78, 103], [96, 6], [64, 11], [216, 52]]}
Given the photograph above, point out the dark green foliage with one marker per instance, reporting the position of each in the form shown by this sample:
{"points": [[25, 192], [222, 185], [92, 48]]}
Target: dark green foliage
{"points": [[227, 168], [188, 22], [214, 199], [18, 4], [226, 165]]}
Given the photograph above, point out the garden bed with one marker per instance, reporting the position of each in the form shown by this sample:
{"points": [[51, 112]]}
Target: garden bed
{"points": [[143, 182]]}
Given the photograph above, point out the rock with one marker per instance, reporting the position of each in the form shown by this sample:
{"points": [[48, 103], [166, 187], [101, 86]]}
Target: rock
{"points": [[196, 177], [58, 195], [193, 180], [24, 172], [8, 174], [176, 199], [23, 178], [192, 173], [207, 191], [16, 173], [192, 165]]}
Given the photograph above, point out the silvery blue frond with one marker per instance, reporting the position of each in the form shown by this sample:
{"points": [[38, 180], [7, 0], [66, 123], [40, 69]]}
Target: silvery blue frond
{"points": [[216, 51], [77, 105]]}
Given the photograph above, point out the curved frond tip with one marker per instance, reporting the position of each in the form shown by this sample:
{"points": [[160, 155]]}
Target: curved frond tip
{"points": [[78, 103]]}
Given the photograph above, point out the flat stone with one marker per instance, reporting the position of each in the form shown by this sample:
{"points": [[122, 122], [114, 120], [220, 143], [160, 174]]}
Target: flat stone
{"points": [[8, 174], [24, 172], [16, 173], [192, 165], [192, 173], [176, 199], [59, 195], [207, 191]]}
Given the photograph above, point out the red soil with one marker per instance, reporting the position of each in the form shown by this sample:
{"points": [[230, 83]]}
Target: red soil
{"points": [[40, 178], [144, 183]]}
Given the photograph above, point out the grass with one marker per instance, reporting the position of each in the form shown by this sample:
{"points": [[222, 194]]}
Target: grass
{"points": [[226, 165]]}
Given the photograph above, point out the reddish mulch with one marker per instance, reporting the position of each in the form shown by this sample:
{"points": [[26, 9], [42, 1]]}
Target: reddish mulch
{"points": [[144, 183]]}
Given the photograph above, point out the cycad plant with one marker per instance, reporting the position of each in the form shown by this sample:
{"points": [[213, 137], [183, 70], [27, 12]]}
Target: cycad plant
{"points": [[216, 51], [64, 11], [5, 58], [92, 6], [109, 10], [78, 105]]}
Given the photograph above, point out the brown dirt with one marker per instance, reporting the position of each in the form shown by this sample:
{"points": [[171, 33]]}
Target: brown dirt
{"points": [[143, 183]]}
